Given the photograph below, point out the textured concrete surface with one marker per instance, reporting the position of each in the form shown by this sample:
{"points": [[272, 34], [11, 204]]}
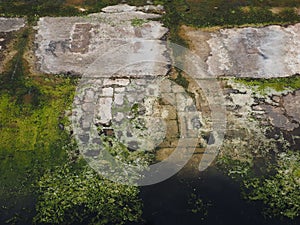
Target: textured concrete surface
{"points": [[272, 51], [11, 24], [109, 43]]}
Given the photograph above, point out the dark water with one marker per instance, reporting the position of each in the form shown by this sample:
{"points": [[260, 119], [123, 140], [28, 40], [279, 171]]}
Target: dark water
{"points": [[17, 211], [166, 203]]}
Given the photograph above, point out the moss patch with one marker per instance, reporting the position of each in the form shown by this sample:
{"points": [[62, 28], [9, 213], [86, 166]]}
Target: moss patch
{"points": [[278, 84], [136, 22], [32, 118]]}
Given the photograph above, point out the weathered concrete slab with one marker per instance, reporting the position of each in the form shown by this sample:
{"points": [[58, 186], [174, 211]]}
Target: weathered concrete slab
{"points": [[11, 24], [271, 51], [111, 42]]}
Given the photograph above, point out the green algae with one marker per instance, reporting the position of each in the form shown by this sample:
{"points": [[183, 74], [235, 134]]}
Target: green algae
{"points": [[278, 84]]}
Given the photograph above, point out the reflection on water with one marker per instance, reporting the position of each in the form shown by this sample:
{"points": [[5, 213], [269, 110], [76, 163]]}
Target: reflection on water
{"points": [[168, 203]]}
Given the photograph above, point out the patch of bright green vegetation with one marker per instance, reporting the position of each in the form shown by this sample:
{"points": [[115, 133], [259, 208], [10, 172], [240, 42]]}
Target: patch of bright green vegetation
{"points": [[121, 153], [32, 137], [75, 194], [136, 22], [278, 84], [278, 187], [280, 192], [235, 169]]}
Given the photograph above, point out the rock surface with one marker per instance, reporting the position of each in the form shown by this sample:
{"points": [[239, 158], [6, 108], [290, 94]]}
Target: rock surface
{"points": [[272, 51], [112, 42], [11, 24], [284, 115]]}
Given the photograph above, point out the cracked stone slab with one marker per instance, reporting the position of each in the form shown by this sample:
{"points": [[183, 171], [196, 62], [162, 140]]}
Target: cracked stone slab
{"points": [[271, 51], [104, 44]]}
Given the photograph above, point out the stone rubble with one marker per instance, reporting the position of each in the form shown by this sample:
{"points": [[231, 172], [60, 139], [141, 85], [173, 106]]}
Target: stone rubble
{"points": [[136, 117], [260, 123]]}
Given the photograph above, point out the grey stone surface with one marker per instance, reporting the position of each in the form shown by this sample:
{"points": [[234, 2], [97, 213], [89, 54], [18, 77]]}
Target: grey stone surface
{"points": [[119, 99], [291, 103], [129, 61], [104, 111], [277, 117], [152, 8], [11, 24], [108, 92], [271, 51], [105, 44]]}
